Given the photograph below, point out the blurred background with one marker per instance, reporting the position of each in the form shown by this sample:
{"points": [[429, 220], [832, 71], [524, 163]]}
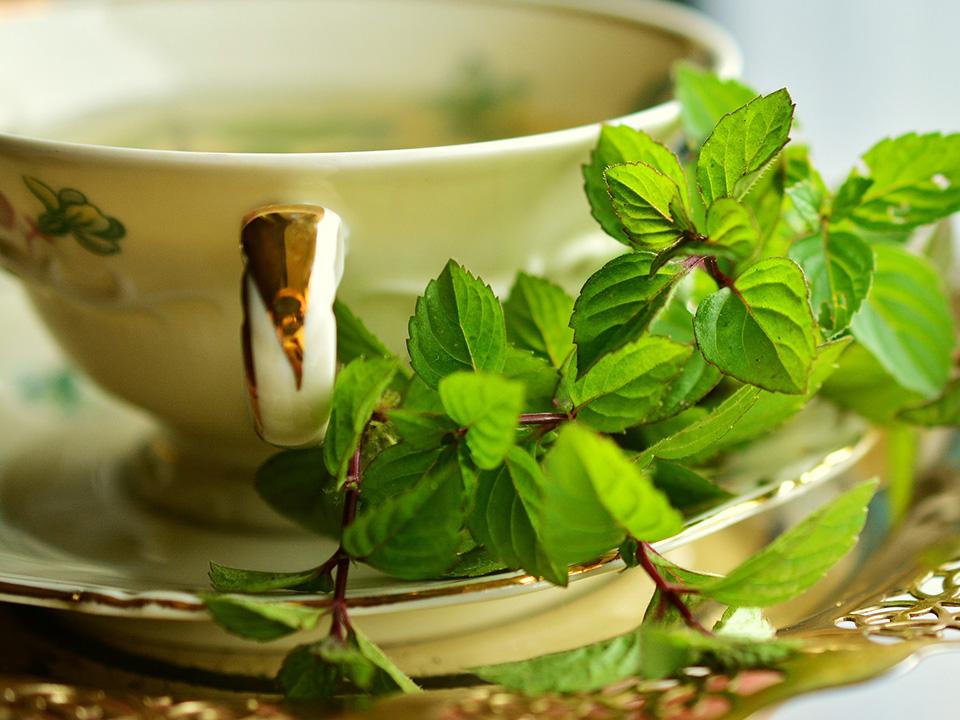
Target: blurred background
{"points": [[857, 69]]}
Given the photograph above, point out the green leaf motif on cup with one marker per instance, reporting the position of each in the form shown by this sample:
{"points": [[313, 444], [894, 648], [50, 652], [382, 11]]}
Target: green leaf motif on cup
{"points": [[68, 212]]}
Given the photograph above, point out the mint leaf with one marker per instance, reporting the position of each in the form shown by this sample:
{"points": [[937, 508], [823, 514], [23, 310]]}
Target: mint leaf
{"points": [[696, 379], [457, 325], [297, 485], [415, 533], [762, 332], [353, 338], [356, 395], [260, 620], [537, 313], [772, 409], [705, 433], [421, 429], [687, 491], [488, 406], [233, 580], [705, 98], [944, 410], [649, 204], [617, 145], [538, 376], [502, 519], [741, 146], [617, 304], [849, 196], [861, 384], [394, 471], [390, 676], [905, 321], [839, 267], [593, 497], [625, 387], [332, 666], [915, 181], [476, 562], [649, 652], [731, 228], [580, 670], [799, 558]]}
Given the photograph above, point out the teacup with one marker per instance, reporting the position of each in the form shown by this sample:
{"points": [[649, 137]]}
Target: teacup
{"points": [[137, 137]]}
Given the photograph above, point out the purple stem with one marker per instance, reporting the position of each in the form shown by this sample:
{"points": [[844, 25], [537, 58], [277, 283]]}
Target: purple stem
{"points": [[669, 592]]}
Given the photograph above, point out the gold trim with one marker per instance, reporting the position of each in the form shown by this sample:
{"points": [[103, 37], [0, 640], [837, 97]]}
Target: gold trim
{"points": [[279, 244]]}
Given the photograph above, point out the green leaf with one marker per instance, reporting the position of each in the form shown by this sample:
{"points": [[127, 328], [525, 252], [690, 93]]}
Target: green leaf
{"points": [[503, 517], [839, 268], [415, 533], [394, 471], [849, 196], [916, 181], [353, 338], [594, 496], [297, 485], [476, 562], [537, 314], [649, 204], [772, 409], [488, 406], [647, 652], [861, 384], [906, 322], [742, 144], [228, 579], [625, 387], [538, 376], [617, 145], [393, 676], [457, 325], [703, 434], [260, 620], [421, 430], [705, 99], [731, 226], [799, 558], [762, 332], [332, 666], [943, 410], [580, 670], [687, 491], [617, 304], [696, 379], [668, 650], [356, 395]]}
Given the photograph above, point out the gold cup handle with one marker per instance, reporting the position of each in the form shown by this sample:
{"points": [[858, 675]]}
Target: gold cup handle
{"points": [[293, 261]]}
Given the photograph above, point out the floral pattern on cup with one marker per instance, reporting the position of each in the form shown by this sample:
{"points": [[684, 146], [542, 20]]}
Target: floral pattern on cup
{"points": [[68, 212]]}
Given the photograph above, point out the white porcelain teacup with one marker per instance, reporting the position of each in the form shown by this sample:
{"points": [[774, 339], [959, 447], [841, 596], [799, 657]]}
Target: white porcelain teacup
{"points": [[136, 136]]}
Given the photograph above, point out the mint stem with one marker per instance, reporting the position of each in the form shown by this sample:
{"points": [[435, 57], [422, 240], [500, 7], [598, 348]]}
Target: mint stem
{"points": [[340, 618], [544, 418], [669, 592]]}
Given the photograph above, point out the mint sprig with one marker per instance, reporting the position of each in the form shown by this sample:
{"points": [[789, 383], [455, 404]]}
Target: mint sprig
{"points": [[549, 429]]}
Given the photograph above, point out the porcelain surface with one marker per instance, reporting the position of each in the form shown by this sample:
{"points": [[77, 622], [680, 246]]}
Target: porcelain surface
{"points": [[130, 255]]}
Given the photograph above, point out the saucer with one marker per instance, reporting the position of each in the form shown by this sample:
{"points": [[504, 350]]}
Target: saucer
{"points": [[74, 537]]}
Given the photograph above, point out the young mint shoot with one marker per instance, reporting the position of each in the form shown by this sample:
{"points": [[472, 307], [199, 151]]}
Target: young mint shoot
{"points": [[550, 429]]}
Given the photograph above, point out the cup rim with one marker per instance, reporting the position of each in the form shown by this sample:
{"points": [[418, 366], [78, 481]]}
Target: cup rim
{"points": [[722, 51]]}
